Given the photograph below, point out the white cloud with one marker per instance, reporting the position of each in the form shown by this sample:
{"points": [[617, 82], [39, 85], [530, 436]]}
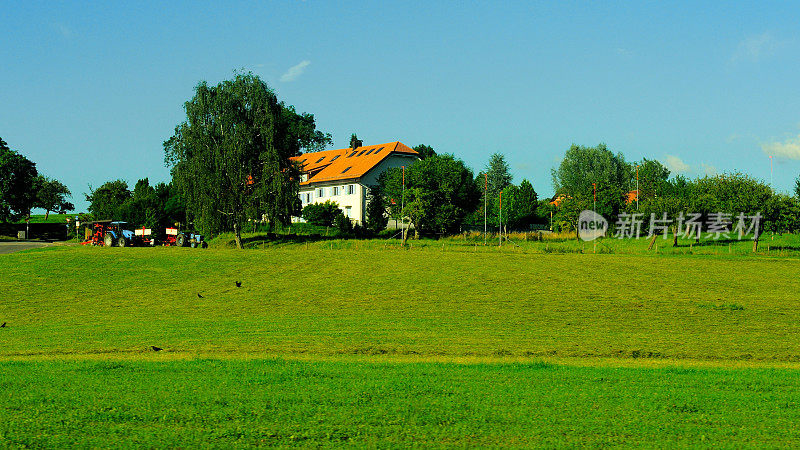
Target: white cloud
{"points": [[789, 149], [675, 164], [755, 48], [708, 169], [295, 71]]}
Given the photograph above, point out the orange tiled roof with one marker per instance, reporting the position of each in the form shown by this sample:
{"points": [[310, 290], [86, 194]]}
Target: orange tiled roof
{"points": [[346, 163]]}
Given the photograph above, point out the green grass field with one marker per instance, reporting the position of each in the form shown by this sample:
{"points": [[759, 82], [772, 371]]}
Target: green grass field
{"points": [[362, 343]]}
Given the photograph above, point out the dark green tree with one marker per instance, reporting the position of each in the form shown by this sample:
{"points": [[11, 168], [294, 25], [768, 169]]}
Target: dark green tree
{"points": [[797, 187], [376, 219], [653, 178], [425, 151], [143, 207], [18, 178], [498, 174], [230, 157], [528, 201], [51, 195], [108, 201], [782, 214], [303, 135], [440, 192], [355, 142], [321, 214], [174, 208]]}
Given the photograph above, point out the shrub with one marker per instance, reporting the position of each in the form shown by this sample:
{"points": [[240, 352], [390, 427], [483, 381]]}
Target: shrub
{"points": [[343, 224], [322, 214]]}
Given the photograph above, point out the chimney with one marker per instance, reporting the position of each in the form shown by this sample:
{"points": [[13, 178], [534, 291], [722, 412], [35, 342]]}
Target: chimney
{"points": [[357, 143]]}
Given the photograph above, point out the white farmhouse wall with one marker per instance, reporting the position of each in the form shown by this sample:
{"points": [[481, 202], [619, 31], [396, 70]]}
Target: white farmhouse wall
{"points": [[353, 204]]}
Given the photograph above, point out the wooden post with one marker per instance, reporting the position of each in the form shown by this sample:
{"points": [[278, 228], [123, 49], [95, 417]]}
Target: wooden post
{"points": [[650, 247]]}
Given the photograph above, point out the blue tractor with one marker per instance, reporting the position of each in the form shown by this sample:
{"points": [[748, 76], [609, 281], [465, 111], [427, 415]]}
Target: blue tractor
{"points": [[116, 233]]}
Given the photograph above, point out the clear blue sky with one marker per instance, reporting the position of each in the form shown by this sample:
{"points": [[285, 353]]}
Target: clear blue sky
{"points": [[89, 91]]}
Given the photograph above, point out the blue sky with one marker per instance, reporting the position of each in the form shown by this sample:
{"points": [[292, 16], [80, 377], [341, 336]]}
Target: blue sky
{"points": [[90, 91]]}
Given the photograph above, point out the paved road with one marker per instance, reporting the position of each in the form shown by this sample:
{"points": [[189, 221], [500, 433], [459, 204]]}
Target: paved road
{"points": [[11, 247]]}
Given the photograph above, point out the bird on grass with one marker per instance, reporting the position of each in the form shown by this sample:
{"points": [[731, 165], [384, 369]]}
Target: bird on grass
{"points": [[238, 284], [199, 296], [156, 349], [3, 325]]}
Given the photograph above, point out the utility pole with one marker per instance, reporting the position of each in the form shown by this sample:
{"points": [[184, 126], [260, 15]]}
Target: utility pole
{"points": [[637, 187], [485, 204], [501, 219], [770, 170], [594, 195], [403, 207]]}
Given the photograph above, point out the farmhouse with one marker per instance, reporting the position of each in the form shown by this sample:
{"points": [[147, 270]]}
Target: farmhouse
{"points": [[343, 176]]}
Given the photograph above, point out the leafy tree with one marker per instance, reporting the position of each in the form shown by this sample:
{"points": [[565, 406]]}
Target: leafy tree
{"points": [[565, 215], [343, 224], [498, 174], [583, 166], [732, 193], [51, 195], [144, 207], [653, 178], [797, 187], [528, 202], [656, 207], [230, 157], [355, 142], [107, 202], [425, 151], [376, 219], [782, 214], [440, 192], [18, 178], [303, 135], [322, 214], [173, 206]]}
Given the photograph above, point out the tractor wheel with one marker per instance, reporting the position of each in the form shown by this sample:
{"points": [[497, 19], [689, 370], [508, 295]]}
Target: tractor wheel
{"points": [[180, 240], [108, 240], [205, 244], [122, 242]]}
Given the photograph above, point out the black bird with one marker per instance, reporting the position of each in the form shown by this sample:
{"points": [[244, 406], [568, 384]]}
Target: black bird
{"points": [[238, 284], [156, 349], [3, 325], [199, 296]]}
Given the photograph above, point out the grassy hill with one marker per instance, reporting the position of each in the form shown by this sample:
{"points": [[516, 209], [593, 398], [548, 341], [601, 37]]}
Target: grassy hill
{"points": [[380, 346]]}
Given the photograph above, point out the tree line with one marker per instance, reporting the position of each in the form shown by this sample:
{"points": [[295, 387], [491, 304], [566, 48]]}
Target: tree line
{"points": [[230, 162], [23, 188], [596, 178]]}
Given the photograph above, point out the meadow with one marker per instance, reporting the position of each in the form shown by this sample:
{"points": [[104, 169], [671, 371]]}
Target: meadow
{"points": [[363, 343]]}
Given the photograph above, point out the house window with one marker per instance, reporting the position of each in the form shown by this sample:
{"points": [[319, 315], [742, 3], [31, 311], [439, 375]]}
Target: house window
{"points": [[351, 189], [320, 192], [335, 190], [348, 211], [308, 197]]}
